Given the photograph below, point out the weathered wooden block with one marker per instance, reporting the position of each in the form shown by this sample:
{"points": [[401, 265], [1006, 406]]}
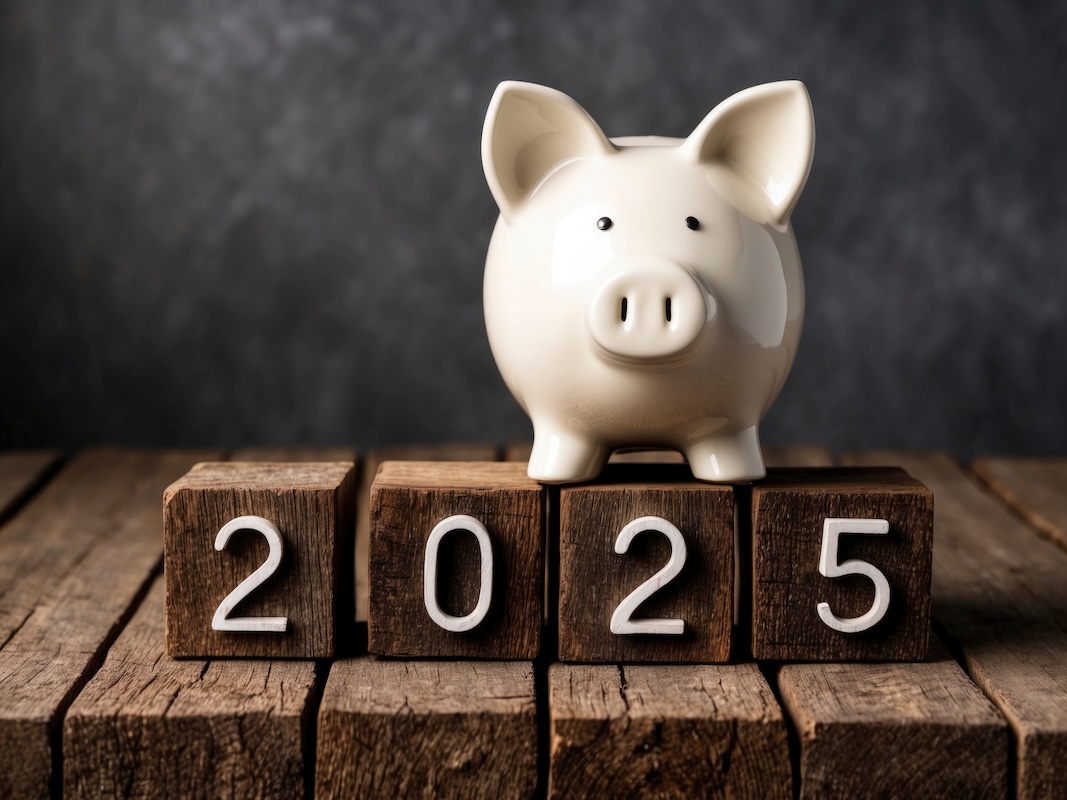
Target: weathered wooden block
{"points": [[150, 726], [666, 731], [427, 729], [841, 563], [258, 559], [646, 567], [895, 730], [456, 560]]}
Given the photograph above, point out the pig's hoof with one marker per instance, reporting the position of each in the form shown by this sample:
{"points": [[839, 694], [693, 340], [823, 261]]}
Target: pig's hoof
{"points": [[563, 459], [728, 459]]}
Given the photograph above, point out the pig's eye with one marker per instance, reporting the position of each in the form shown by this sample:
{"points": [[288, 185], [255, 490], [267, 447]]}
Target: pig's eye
{"points": [[604, 223], [692, 223]]}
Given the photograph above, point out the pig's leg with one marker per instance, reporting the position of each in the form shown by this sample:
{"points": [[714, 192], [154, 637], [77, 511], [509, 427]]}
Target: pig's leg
{"points": [[727, 458], [561, 456]]}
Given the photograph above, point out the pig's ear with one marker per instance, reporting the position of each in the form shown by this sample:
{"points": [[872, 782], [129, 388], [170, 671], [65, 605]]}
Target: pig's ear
{"points": [[531, 130], [759, 144]]}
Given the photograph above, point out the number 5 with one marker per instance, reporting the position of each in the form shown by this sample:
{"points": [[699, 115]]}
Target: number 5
{"points": [[828, 567]]}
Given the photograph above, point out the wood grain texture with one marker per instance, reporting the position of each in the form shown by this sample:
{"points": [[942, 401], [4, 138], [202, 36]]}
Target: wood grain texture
{"points": [[895, 730], [408, 499], [454, 451], [313, 505], [74, 563], [788, 511], [149, 726], [594, 579], [665, 732], [22, 471], [1035, 488], [438, 729], [1000, 592]]}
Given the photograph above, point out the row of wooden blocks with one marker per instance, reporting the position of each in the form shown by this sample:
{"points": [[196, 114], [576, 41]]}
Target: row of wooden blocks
{"points": [[471, 560]]}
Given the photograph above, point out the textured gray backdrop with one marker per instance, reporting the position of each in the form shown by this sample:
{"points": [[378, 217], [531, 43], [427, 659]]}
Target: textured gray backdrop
{"points": [[265, 221]]}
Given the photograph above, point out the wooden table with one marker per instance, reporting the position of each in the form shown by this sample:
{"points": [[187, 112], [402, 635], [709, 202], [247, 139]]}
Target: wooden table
{"points": [[90, 705]]}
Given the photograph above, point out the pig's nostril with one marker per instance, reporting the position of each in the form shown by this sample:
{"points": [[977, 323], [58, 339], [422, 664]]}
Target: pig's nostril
{"points": [[667, 309], [624, 309]]}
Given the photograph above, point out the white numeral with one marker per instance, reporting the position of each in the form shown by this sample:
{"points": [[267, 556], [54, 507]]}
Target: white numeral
{"points": [[222, 621], [458, 522], [621, 620], [828, 566]]}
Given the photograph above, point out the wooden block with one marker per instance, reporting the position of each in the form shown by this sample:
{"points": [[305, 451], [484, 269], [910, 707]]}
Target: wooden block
{"points": [[304, 608], [596, 580], [895, 730], [412, 500], [150, 726], [1000, 594], [456, 451], [1035, 488], [427, 729], [21, 472], [74, 562], [790, 530], [666, 731]]}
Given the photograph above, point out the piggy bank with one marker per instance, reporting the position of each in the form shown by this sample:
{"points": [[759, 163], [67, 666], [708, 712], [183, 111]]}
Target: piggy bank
{"points": [[645, 291]]}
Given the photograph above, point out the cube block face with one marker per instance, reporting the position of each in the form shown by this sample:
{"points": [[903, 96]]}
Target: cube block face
{"points": [[789, 513], [595, 579], [408, 502], [313, 508]]}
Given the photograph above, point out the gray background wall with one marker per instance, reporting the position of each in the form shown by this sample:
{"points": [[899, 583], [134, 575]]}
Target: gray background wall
{"points": [[265, 221]]}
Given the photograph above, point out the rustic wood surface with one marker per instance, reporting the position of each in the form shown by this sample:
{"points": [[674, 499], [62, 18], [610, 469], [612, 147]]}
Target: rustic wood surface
{"points": [[454, 451], [895, 730], [594, 579], [408, 499], [313, 506], [20, 473], [788, 510], [665, 731], [427, 729], [91, 534], [1036, 488], [73, 565], [149, 726], [1000, 592]]}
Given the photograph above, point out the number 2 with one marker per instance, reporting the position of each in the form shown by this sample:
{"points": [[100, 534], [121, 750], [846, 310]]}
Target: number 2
{"points": [[828, 567], [222, 621], [622, 621]]}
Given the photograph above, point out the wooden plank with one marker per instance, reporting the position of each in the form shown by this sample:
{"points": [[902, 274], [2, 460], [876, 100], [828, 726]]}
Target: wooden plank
{"points": [[22, 471], [1000, 592], [895, 730], [1035, 488], [151, 726], [665, 731], [73, 564], [803, 455], [456, 451], [427, 729]]}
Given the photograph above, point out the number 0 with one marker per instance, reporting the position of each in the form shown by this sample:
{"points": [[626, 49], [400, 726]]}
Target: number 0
{"points": [[458, 522], [828, 567], [222, 621]]}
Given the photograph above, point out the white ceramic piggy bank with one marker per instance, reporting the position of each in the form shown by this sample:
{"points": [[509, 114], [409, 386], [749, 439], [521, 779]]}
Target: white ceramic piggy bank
{"points": [[645, 291]]}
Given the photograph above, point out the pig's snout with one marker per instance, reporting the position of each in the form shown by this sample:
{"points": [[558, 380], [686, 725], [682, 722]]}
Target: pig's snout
{"points": [[649, 311]]}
